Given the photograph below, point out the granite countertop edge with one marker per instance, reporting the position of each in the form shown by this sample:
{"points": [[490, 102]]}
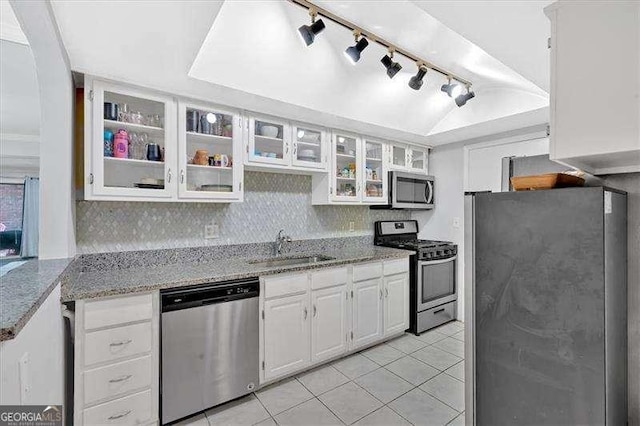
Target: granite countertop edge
{"points": [[11, 332], [82, 289]]}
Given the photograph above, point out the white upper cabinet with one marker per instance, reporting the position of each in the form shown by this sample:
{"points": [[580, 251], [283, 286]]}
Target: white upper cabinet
{"points": [[142, 146], [309, 146], [210, 152], [357, 172], [273, 143], [346, 175], [595, 85], [408, 158], [130, 149], [374, 178], [269, 141]]}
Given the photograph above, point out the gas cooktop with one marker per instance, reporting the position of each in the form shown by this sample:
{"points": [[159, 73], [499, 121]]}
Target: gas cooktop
{"points": [[404, 235]]}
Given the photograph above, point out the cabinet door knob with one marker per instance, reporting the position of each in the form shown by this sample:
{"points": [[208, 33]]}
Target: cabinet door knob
{"points": [[380, 294], [169, 176], [181, 176], [315, 311], [386, 292]]}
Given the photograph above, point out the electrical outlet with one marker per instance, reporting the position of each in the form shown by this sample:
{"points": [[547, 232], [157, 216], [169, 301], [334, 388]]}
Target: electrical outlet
{"points": [[352, 226], [211, 230], [456, 222]]}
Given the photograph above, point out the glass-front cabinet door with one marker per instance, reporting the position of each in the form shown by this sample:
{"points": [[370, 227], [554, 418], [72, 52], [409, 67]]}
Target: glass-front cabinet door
{"points": [[374, 178], [418, 159], [210, 153], [398, 156], [308, 146], [269, 141], [346, 173], [133, 148]]}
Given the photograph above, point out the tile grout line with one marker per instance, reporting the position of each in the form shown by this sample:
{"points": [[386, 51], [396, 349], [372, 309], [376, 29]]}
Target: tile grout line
{"points": [[265, 409], [435, 397]]}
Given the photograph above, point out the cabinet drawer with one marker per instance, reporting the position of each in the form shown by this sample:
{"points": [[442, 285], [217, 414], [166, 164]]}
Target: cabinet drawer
{"points": [[436, 316], [131, 410], [115, 343], [103, 313], [116, 379], [367, 271], [282, 285], [392, 267], [329, 277]]}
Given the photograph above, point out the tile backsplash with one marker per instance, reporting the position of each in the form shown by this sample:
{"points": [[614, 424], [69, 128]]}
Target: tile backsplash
{"points": [[271, 202]]}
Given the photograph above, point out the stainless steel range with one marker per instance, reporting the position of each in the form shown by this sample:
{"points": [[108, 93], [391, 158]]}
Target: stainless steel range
{"points": [[433, 296]]}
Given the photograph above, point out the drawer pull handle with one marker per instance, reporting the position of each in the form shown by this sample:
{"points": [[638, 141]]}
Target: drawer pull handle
{"points": [[119, 416], [438, 311], [121, 379], [121, 343], [380, 294]]}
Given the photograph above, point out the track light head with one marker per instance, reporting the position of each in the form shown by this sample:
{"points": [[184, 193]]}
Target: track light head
{"points": [[309, 32], [416, 81], [353, 53], [453, 90], [392, 67], [463, 98]]}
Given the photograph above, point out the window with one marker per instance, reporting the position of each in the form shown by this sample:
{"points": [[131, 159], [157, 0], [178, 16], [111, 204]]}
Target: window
{"points": [[11, 204]]}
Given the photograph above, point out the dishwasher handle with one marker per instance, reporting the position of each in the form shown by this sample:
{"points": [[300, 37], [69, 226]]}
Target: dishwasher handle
{"points": [[209, 294]]}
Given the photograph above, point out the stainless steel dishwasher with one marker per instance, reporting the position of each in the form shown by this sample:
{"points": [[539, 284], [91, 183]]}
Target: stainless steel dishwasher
{"points": [[209, 346]]}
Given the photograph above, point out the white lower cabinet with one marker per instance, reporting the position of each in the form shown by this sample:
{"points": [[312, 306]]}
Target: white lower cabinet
{"points": [[328, 322], [309, 318], [367, 312], [116, 360], [396, 303], [286, 335]]}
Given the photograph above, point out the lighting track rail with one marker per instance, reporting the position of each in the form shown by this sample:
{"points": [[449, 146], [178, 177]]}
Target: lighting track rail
{"points": [[365, 34]]}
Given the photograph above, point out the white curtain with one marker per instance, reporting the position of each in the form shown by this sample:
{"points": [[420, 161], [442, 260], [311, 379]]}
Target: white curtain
{"points": [[30, 217]]}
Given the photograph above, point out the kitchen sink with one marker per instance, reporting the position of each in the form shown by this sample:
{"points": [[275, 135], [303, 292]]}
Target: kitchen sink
{"points": [[291, 261]]}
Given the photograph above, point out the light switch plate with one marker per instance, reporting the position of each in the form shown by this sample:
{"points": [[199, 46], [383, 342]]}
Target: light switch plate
{"points": [[352, 226]]}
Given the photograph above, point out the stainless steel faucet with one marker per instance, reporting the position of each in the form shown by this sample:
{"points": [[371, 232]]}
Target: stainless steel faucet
{"points": [[277, 245]]}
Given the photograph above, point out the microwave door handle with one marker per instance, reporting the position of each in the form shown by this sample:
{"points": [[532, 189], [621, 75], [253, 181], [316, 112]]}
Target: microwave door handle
{"points": [[428, 192]]}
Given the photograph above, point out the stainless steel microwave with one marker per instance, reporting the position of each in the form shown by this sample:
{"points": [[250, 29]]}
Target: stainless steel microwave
{"points": [[409, 191]]}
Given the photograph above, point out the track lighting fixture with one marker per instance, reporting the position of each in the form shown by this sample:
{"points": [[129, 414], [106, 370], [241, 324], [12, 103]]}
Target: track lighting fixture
{"points": [[463, 98], [309, 32], [416, 81], [453, 90], [392, 67], [353, 52], [455, 84]]}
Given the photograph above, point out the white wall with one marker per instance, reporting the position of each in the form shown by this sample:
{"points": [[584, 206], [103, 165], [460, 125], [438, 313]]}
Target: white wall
{"points": [[484, 161], [450, 168], [41, 341]]}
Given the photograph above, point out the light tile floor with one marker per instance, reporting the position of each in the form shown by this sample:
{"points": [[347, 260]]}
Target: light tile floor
{"points": [[415, 380]]}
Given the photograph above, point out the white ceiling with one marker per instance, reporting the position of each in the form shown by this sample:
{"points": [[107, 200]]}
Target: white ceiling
{"points": [[252, 58], [254, 46], [512, 31], [10, 29]]}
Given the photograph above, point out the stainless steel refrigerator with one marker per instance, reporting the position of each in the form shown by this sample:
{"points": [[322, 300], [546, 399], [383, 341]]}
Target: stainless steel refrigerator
{"points": [[546, 307]]}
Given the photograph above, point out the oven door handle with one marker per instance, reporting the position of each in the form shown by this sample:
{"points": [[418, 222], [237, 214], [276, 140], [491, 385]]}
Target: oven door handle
{"points": [[435, 262]]}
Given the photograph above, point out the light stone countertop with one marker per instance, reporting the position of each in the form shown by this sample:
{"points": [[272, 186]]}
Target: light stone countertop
{"points": [[109, 282], [24, 289]]}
